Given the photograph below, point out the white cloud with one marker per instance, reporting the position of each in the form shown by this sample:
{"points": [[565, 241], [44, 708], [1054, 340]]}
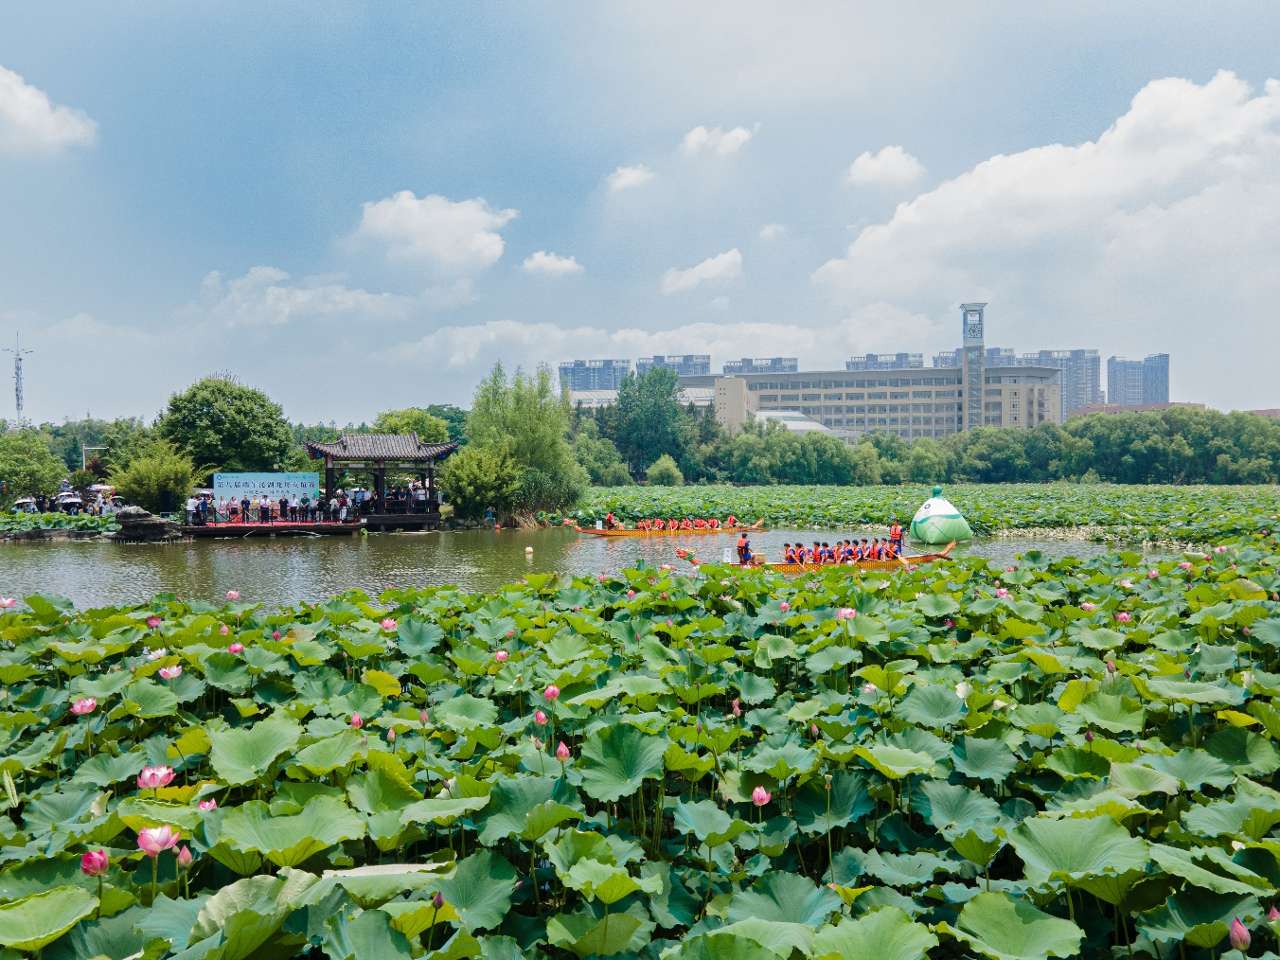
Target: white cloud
{"points": [[551, 264], [268, 297], [1131, 242], [31, 123], [717, 269], [720, 303], [626, 177], [455, 237], [887, 167], [772, 231], [716, 140], [475, 347]]}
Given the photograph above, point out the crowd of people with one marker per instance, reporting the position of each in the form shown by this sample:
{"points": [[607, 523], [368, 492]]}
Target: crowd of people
{"points": [[688, 523], [341, 507], [821, 553]]}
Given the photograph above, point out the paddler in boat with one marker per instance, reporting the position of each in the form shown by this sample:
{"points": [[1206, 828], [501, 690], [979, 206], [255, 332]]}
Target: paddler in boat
{"points": [[895, 535], [731, 522], [611, 522]]}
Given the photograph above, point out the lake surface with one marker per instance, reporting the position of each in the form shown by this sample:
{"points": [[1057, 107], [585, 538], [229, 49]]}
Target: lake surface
{"points": [[289, 569]]}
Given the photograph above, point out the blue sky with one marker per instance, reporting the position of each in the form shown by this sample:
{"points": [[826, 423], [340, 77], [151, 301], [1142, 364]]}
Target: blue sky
{"points": [[363, 207]]}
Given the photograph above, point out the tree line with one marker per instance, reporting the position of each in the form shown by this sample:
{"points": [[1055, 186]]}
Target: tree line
{"points": [[648, 436], [526, 451]]}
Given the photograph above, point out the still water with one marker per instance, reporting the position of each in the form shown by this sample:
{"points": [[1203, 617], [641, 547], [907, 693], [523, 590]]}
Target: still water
{"points": [[290, 569]]}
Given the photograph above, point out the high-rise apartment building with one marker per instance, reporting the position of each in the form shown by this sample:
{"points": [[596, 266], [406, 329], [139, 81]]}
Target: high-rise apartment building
{"points": [[885, 361], [762, 365], [689, 365], [1081, 375], [1155, 378], [1124, 382], [593, 374], [993, 357]]}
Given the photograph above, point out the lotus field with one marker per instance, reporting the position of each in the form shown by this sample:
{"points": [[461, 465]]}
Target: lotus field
{"points": [[1105, 511], [1061, 759]]}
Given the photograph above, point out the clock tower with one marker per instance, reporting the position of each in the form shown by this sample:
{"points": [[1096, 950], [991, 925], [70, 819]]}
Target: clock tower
{"points": [[973, 366]]}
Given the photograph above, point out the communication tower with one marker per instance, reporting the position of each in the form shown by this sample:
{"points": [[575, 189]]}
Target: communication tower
{"points": [[18, 353]]}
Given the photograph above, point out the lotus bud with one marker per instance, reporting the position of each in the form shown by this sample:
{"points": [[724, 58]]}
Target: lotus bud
{"points": [[275, 634], [438, 900], [963, 689], [551, 693], [501, 656], [236, 647], [184, 857], [784, 607], [1088, 736], [846, 613], [736, 707], [1152, 574], [813, 730], [1111, 666], [1127, 584], [631, 594], [1088, 607], [422, 717], [949, 623], [512, 633], [154, 621], [391, 735], [562, 752], [1185, 565], [1273, 915], [207, 805], [827, 780], [171, 673], [84, 706], [760, 796], [1124, 616], [233, 595], [95, 863], [1002, 592], [539, 718], [357, 721], [1239, 936], [223, 630]]}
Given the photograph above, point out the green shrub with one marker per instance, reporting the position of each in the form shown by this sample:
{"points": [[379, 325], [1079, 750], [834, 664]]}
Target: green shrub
{"points": [[158, 479], [476, 478], [664, 472]]}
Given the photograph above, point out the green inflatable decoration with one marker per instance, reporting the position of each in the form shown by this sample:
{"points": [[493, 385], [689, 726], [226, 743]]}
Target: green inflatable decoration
{"points": [[938, 521]]}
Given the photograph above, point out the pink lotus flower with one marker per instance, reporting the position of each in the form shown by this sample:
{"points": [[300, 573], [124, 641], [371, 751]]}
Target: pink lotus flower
{"points": [[159, 653], [153, 841], [236, 647], [846, 613], [1273, 915], [154, 621], [1152, 574], [949, 623], [7, 603], [760, 796], [1239, 936], [562, 752], [95, 863], [512, 633], [388, 624], [551, 693], [207, 805], [1010, 569], [1219, 549], [736, 707], [184, 857], [1185, 565], [631, 594], [1002, 593], [357, 721], [1124, 616], [84, 706], [224, 630], [539, 718], [275, 634], [601, 578], [153, 778], [869, 688], [171, 673], [233, 595], [501, 656], [1088, 607], [784, 607], [1127, 584]]}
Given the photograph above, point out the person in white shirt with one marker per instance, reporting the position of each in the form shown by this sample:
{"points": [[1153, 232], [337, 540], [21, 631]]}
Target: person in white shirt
{"points": [[191, 510]]}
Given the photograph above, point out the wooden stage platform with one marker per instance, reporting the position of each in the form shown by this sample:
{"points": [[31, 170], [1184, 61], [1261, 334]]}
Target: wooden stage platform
{"points": [[374, 523]]}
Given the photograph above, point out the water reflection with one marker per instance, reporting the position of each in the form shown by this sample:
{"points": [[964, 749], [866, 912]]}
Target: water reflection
{"points": [[287, 570]]}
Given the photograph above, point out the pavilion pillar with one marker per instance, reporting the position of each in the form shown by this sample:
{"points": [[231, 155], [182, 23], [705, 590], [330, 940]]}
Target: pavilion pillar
{"points": [[380, 489], [328, 480]]}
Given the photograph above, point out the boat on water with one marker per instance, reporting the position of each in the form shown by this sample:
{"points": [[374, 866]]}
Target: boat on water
{"points": [[695, 532], [896, 564]]}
